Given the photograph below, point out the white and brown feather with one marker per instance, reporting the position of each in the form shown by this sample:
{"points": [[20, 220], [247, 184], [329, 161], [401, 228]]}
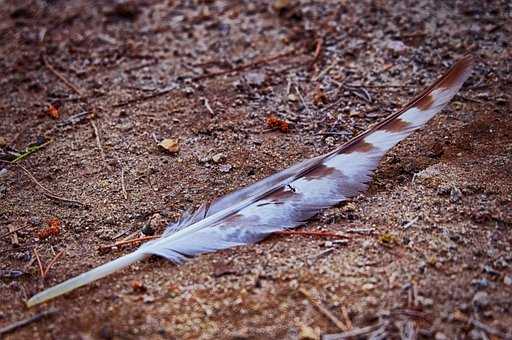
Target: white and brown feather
{"points": [[288, 198]]}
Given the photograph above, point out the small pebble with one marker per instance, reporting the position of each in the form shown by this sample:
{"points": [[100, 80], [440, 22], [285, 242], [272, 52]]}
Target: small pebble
{"points": [[507, 280], [225, 168], [170, 145], [455, 195], [440, 336], [255, 78], [35, 221], [425, 302], [292, 97], [481, 300], [480, 283], [218, 158], [330, 141], [368, 286], [148, 230], [372, 301]]}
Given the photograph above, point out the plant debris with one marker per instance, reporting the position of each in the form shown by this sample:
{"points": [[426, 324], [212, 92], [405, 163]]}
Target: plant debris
{"points": [[170, 145], [53, 229], [53, 111], [275, 123]]}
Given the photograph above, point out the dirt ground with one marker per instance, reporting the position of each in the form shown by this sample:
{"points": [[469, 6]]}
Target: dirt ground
{"points": [[428, 251]]}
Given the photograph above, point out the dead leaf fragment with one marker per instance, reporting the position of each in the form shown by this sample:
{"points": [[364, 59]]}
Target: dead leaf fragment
{"points": [[170, 145], [53, 112]]}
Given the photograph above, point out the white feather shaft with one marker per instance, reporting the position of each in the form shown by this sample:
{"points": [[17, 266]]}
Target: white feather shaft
{"points": [[87, 277]]}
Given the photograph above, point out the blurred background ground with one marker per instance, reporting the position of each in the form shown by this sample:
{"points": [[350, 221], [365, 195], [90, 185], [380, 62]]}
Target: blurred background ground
{"points": [[429, 245]]}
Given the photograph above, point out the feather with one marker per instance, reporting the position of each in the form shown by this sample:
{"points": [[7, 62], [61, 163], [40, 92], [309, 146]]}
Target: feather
{"points": [[288, 198]]}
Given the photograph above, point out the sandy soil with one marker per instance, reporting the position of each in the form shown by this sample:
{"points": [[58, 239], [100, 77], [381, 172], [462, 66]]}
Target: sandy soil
{"points": [[446, 275]]}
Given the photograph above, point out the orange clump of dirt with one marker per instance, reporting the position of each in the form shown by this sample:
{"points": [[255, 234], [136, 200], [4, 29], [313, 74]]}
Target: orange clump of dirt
{"points": [[275, 123], [53, 112], [53, 229]]}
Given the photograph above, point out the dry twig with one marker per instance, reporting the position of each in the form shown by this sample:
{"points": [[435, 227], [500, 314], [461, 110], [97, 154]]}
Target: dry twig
{"points": [[207, 105], [98, 142], [12, 231], [324, 310], [61, 77], [348, 322], [246, 66], [318, 51], [123, 186], [41, 270], [144, 98], [46, 192], [14, 237], [52, 262], [310, 233], [353, 333], [18, 324], [125, 242]]}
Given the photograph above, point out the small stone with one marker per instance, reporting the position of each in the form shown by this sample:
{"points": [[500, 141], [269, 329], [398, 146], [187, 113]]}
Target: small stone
{"points": [[368, 286], [225, 168], [126, 127], [218, 158], [328, 244], [356, 114], [455, 195], [440, 336], [366, 244], [396, 45], [280, 5], [3, 142], [481, 300], [372, 301], [255, 78], [293, 284], [35, 221], [170, 145], [148, 230], [148, 299], [507, 280], [480, 283], [188, 91], [292, 97], [425, 302], [222, 269], [330, 141]]}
